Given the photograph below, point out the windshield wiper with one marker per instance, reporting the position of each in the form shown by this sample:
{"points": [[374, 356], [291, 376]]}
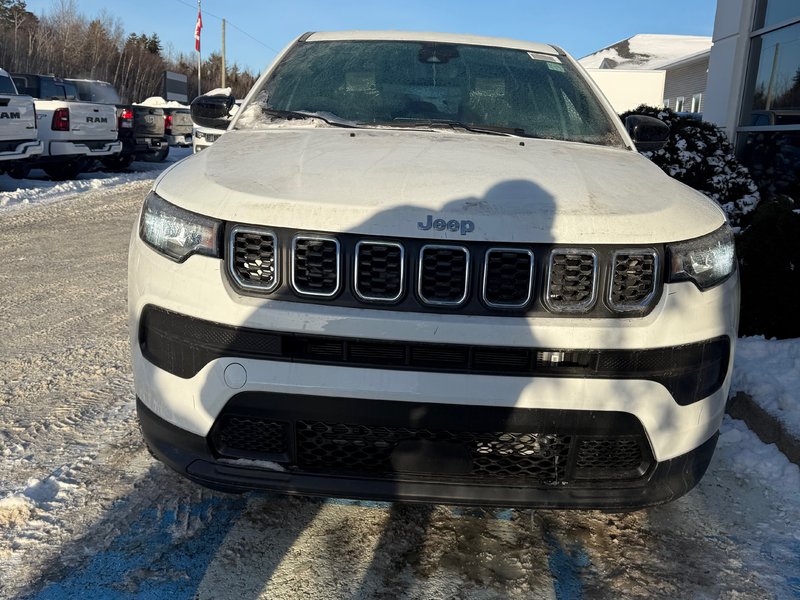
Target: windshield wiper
{"points": [[446, 123], [329, 118]]}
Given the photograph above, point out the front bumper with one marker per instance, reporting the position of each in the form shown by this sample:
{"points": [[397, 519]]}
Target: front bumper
{"points": [[183, 408]]}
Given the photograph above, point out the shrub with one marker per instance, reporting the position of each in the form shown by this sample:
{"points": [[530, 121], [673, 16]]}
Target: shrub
{"points": [[699, 155], [769, 259]]}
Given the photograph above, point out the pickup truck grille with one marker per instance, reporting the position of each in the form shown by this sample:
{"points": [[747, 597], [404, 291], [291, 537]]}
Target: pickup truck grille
{"points": [[470, 278]]}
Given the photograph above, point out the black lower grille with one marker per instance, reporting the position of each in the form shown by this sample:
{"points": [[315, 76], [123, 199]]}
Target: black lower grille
{"points": [[384, 450]]}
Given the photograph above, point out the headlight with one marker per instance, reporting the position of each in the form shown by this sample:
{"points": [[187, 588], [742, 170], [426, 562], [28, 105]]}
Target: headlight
{"points": [[706, 261], [177, 233], [199, 135]]}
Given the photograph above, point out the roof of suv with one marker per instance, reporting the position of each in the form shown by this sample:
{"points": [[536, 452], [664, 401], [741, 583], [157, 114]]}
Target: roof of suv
{"points": [[420, 36]]}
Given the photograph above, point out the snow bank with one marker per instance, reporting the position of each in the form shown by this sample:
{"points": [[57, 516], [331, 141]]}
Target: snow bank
{"points": [[769, 371]]}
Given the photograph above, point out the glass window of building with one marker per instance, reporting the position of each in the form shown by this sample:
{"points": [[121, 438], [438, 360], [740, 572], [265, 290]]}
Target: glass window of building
{"points": [[769, 136]]}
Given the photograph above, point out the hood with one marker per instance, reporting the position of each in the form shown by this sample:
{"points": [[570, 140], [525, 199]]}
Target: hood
{"points": [[389, 182]]}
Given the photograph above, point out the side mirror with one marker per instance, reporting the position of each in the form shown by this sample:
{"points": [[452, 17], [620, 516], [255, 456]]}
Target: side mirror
{"points": [[212, 111], [648, 133]]}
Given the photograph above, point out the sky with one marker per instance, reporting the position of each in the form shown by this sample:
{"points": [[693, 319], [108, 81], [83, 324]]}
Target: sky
{"points": [[257, 29]]}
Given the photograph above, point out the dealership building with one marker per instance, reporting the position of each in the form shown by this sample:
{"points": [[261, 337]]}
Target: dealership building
{"points": [[753, 87]]}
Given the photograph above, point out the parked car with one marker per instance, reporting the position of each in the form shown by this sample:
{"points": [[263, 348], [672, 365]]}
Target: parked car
{"points": [[141, 128], [431, 267], [73, 133], [203, 137], [19, 145]]}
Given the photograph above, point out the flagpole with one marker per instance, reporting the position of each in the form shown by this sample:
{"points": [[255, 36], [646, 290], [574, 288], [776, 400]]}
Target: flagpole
{"points": [[198, 54]]}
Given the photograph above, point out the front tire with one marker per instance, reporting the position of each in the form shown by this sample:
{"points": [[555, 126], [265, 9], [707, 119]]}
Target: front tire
{"points": [[120, 162], [19, 171], [158, 155]]}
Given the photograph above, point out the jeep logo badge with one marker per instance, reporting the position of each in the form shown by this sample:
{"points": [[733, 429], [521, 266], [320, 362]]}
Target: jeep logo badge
{"points": [[453, 225]]}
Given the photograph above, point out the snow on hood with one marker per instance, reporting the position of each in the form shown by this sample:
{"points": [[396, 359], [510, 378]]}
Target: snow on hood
{"points": [[384, 182]]}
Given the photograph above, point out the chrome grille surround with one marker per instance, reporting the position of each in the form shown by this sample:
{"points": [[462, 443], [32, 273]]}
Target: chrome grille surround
{"points": [[645, 301], [338, 271], [233, 269], [566, 306], [484, 294], [357, 270], [420, 278]]}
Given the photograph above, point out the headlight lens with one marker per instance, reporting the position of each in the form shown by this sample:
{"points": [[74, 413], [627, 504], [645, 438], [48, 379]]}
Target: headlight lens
{"points": [[707, 261], [199, 135], [178, 233]]}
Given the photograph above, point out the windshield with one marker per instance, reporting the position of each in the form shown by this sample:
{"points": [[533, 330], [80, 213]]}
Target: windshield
{"points": [[97, 91], [419, 84]]}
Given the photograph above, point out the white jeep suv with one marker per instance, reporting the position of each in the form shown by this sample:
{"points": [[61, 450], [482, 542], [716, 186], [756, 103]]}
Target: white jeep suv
{"points": [[431, 267]]}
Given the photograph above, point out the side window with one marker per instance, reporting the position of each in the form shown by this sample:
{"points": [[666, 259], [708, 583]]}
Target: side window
{"points": [[6, 85], [679, 104], [696, 101], [666, 102]]}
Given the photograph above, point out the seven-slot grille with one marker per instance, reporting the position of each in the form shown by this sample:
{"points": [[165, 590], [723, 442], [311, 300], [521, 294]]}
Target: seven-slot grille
{"points": [[315, 265], [254, 258], [633, 279], [412, 275]]}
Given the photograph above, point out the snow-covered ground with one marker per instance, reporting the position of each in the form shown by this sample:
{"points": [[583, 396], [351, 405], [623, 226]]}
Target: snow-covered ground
{"points": [[769, 371], [38, 189], [85, 512]]}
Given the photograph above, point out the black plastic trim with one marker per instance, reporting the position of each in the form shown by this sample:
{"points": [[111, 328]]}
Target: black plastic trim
{"points": [[183, 345]]}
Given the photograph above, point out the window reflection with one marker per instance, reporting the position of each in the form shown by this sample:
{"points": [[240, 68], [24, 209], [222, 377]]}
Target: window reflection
{"points": [[776, 91], [773, 159], [774, 12]]}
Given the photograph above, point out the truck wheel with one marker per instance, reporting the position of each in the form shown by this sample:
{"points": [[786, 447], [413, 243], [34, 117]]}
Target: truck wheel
{"points": [[19, 171], [157, 155], [119, 162], [64, 171]]}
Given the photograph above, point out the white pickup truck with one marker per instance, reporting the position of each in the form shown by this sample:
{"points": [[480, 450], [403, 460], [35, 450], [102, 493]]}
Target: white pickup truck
{"points": [[19, 144], [74, 133]]}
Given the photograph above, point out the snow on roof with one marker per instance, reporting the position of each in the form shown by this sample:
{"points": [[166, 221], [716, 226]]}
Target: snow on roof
{"points": [[647, 51]]}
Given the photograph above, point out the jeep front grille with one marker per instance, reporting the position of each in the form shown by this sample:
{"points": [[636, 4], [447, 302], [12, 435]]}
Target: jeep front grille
{"points": [[443, 275], [379, 271], [571, 280], [633, 279], [507, 277], [253, 258], [471, 278], [315, 265]]}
